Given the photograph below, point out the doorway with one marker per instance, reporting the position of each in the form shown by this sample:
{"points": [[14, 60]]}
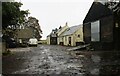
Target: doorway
{"points": [[69, 41]]}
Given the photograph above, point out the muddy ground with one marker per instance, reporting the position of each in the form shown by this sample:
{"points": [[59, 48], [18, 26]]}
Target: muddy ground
{"points": [[57, 60]]}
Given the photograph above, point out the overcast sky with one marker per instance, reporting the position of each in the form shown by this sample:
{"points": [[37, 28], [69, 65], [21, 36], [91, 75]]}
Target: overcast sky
{"points": [[53, 13]]}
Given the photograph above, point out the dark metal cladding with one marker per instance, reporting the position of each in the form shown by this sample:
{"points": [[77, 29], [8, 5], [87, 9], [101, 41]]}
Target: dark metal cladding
{"points": [[86, 32], [109, 34]]}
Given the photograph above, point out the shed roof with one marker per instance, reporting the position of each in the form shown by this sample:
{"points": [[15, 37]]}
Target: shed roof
{"points": [[53, 33], [25, 33], [71, 30], [97, 11]]}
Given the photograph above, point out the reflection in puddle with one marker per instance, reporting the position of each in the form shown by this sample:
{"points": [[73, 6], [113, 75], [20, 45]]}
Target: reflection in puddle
{"points": [[95, 71], [102, 63], [96, 58]]}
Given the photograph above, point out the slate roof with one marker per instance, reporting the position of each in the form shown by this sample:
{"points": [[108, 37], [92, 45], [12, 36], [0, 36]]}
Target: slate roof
{"points": [[25, 33], [53, 34], [71, 30]]}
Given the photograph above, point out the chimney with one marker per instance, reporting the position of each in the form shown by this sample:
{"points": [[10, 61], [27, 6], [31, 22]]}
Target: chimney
{"points": [[66, 24]]}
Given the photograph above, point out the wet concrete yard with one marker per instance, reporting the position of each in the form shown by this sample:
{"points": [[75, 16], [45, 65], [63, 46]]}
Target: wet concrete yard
{"points": [[54, 59]]}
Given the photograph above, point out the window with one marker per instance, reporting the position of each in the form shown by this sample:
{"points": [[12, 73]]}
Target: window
{"points": [[79, 36], [95, 31]]}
